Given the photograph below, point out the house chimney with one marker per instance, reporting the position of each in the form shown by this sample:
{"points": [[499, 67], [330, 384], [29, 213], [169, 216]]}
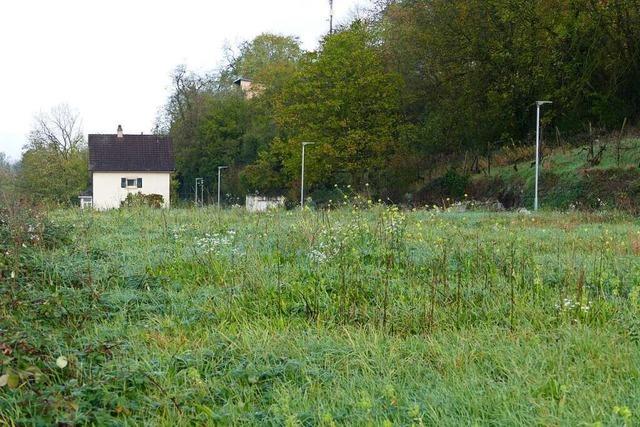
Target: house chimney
{"points": [[119, 131]]}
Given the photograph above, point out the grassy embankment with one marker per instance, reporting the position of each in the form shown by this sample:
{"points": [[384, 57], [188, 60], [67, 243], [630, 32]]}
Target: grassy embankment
{"points": [[568, 179], [380, 316]]}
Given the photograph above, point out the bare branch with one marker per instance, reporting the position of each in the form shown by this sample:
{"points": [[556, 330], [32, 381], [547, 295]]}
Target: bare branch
{"points": [[59, 130]]}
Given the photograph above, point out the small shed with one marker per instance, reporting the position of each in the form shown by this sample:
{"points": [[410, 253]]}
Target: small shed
{"points": [[86, 198], [257, 203]]}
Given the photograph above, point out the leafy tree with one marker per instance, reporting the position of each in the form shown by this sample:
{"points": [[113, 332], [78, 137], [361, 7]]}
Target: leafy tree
{"points": [[54, 161], [212, 124], [473, 68], [342, 98], [263, 59]]}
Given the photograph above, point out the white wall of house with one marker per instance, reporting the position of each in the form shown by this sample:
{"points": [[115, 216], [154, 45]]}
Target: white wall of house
{"points": [[108, 193]]}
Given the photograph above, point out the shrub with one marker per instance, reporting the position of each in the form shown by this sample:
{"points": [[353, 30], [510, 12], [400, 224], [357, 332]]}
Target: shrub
{"points": [[139, 200], [450, 185], [23, 229], [618, 187]]}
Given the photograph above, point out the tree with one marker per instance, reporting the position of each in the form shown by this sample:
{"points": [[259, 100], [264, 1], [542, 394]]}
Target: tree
{"points": [[7, 178], [474, 67], [59, 131], [212, 124], [342, 98], [54, 161], [261, 58]]}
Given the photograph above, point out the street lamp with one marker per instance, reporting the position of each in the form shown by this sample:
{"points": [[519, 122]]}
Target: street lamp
{"points": [[304, 144], [220, 169], [538, 105]]}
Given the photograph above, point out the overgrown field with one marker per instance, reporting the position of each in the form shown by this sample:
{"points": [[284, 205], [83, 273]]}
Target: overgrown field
{"points": [[351, 316]]}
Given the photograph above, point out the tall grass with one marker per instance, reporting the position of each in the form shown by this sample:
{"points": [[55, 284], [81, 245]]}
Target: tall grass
{"points": [[350, 316]]}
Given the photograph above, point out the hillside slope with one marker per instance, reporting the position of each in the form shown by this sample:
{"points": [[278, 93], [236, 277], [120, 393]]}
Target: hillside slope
{"points": [[569, 178]]}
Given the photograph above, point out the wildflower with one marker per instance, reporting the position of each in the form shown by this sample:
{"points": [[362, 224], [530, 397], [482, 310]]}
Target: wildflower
{"points": [[317, 256], [569, 304], [214, 242]]}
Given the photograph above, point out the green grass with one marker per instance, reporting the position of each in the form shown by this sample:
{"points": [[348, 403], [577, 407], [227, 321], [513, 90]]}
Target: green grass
{"points": [[354, 317], [567, 180], [569, 160]]}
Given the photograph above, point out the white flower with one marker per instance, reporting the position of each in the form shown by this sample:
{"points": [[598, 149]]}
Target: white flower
{"points": [[569, 304], [214, 242], [317, 256]]}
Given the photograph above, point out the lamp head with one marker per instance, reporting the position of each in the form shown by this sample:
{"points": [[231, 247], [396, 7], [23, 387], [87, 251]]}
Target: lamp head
{"points": [[544, 102]]}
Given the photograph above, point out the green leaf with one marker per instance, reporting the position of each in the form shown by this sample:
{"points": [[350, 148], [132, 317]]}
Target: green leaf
{"points": [[13, 380]]}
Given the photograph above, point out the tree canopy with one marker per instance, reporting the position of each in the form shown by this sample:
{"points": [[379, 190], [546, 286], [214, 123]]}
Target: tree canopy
{"points": [[404, 90]]}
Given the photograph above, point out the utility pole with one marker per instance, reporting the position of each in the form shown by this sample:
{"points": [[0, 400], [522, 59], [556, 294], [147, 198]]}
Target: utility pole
{"points": [[330, 16], [220, 169], [538, 105], [304, 144]]}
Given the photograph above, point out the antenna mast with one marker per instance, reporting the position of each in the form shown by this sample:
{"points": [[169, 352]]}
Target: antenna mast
{"points": [[330, 16]]}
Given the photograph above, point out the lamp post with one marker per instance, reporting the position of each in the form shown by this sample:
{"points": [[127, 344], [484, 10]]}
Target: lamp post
{"points": [[304, 144], [538, 105], [219, 170]]}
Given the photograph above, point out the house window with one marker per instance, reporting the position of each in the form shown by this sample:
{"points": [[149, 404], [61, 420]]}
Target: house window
{"points": [[131, 182]]}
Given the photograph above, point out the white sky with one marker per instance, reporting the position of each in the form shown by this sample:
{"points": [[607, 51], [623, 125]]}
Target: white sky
{"points": [[111, 60]]}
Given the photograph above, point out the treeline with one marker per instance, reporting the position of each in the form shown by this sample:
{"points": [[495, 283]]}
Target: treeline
{"points": [[412, 90], [391, 97]]}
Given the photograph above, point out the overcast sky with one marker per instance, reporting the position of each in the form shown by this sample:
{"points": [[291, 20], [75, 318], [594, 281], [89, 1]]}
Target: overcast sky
{"points": [[111, 60]]}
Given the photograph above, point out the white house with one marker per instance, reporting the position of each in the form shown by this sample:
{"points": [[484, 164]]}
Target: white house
{"points": [[122, 164]]}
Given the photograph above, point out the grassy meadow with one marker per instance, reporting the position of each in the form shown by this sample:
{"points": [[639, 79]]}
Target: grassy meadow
{"points": [[355, 316]]}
